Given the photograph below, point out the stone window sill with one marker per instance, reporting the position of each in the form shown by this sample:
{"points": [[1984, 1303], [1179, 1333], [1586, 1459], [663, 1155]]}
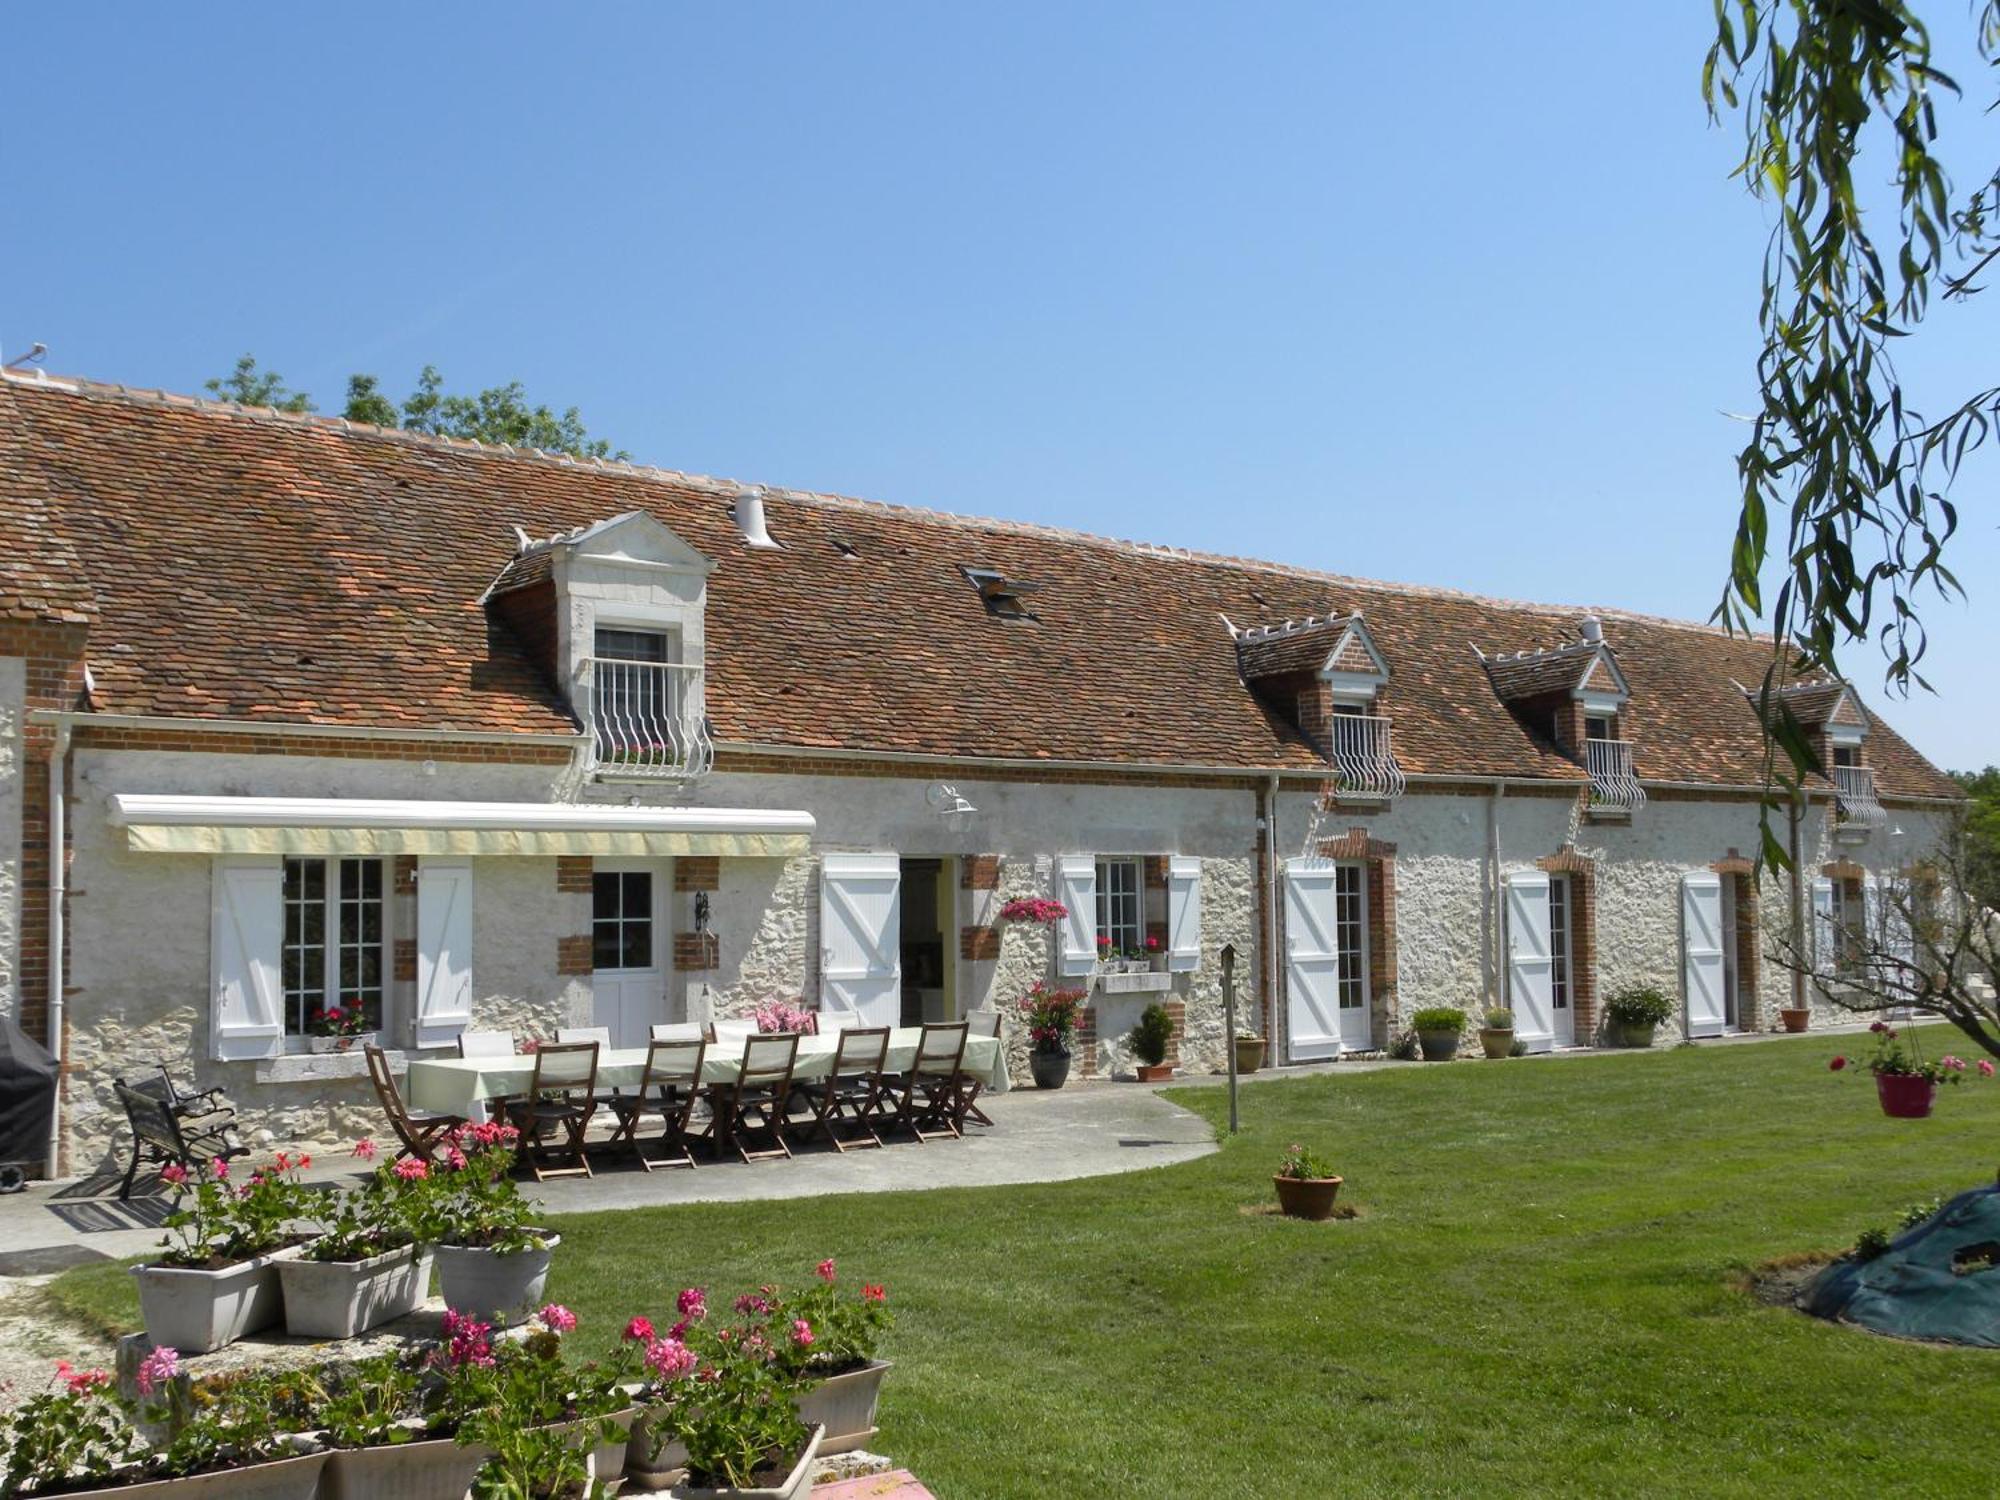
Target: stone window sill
{"points": [[1154, 982], [321, 1067]]}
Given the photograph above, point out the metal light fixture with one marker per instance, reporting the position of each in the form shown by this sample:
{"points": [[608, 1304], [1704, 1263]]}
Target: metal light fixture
{"points": [[949, 804]]}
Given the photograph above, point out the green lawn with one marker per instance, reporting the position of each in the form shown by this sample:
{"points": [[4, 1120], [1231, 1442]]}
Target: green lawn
{"points": [[1539, 1298]]}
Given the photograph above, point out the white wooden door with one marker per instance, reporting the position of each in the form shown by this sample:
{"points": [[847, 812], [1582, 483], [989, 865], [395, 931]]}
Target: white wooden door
{"points": [[1529, 993], [1312, 961], [1701, 952], [861, 967], [630, 948]]}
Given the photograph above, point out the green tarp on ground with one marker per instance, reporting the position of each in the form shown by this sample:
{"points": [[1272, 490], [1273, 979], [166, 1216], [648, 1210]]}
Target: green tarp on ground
{"points": [[1939, 1280]]}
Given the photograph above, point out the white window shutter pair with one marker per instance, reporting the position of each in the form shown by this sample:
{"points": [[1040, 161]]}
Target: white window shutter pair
{"points": [[247, 934], [1183, 913], [1076, 888]]}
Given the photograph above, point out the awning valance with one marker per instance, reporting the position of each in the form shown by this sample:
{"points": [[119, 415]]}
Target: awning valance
{"points": [[354, 825]]}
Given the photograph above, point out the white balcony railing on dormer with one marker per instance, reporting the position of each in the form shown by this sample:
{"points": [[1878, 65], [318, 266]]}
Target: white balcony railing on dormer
{"points": [[1854, 796], [1363, 761], [1613, 782], [646, 719]]}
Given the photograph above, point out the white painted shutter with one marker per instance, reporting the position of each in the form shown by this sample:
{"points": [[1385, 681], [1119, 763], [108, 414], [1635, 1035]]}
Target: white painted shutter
{"points": [[1312, 961], [247, 934], [1701, 952], [1183, 913], [444, 950], [860, 935], [1889, 933], [1076, 888], [1530, 971], [1825, 939]]}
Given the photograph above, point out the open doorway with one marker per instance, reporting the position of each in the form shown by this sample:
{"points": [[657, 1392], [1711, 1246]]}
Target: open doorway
{"points": [[930, 957]]}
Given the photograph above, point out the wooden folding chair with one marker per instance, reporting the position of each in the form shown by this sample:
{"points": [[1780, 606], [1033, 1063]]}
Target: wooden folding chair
{"points": [[668, 1090], [419, 1132], [930, 1088], [755, 1101], [681, 1031], [854, 1088], [562, 1096], [965, 1104]]}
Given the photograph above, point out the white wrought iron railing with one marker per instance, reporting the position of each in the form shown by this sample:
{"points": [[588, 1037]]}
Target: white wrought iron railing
{"points": [[647, 719], [1613, 782], [1854, 796], [1363, 761]]}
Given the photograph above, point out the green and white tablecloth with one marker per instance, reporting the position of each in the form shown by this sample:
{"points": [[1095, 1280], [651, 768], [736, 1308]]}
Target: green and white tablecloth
{"points": [[462, 1085]]}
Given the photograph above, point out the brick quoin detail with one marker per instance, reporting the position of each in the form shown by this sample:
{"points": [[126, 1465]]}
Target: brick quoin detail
{"points": [[1843, 869], [1356, 844], [403, 875], [694, 952], [1734, 863], [1177, 1013], [1086, 1039], [698, 872], [979, 944], [573, 954], [1582, 873], [979, 872], [52, 657], [574, 874], [1154, 869], [405, 961]]}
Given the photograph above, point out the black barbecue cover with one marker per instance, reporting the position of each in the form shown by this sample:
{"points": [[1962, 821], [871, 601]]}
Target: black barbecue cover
{"points": [[27, 1094]]}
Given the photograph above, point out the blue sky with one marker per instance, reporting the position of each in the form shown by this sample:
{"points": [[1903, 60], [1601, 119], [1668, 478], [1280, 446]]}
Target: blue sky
{"points": [[1454, 294]]}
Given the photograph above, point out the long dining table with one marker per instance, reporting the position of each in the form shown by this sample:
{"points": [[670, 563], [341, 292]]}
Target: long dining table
{"points": [[464, 1085]]}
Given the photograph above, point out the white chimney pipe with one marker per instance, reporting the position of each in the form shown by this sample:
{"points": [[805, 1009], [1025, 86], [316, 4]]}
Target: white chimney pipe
{"points": [[749, 517], [1592, 628]]}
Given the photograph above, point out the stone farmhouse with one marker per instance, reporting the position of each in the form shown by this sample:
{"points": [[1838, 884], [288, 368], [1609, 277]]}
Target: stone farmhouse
{"points": [[301, 713]]}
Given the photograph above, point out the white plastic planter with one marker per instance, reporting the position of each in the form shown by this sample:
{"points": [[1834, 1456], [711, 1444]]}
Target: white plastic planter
{"points": [[499, 1289], [843, 1407], [286, 1479], [336, 1299], [430, 1469], [198, 1312], [797, 1484]]}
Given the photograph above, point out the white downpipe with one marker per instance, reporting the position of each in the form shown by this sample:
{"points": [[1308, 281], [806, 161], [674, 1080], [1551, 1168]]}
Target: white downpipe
{"points": [[1497, 889], [1274, 980], [58, 883]]}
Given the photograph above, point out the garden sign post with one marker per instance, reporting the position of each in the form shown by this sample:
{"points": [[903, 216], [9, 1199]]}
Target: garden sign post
{"points": [[1229, 1024]]}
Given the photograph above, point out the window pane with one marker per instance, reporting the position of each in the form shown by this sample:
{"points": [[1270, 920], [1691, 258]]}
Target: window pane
{"points": [[638, 895], [632, 645], [638, 945], [1349, 937], [604, 896], [604, 945]]}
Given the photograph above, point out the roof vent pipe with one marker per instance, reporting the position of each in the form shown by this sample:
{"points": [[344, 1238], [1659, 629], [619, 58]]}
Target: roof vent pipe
{"points": [[749, 517], [1592, 629]]}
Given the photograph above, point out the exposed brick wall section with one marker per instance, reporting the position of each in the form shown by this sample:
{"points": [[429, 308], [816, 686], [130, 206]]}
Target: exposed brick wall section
{"points": [[694, 952], [1356, 843], [403, 875], [1153, 870], [573, 954], [979, 872], [1843, 869], [1582, 873], [53, 659], [1177, 1013], [574, 874], [404, 961], [1378, 859], [1157, 932], [1086, 1039], [979, 944], [1749, 960], [305, 742], [698, 872]]}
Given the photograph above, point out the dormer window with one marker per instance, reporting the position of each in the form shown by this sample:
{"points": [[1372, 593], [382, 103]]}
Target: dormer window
{"points": [[1600, 727], [1002, 596], [1835, 723], [1579, 692]]}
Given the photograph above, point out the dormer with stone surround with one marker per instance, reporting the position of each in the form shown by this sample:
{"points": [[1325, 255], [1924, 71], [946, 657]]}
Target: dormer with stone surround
{"points": [[615, 613], [1329, 672]]}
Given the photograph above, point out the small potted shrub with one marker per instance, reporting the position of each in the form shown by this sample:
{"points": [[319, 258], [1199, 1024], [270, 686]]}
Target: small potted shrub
{"points": [[1307, 1185], [492, 1260], [1438, 1029], [1634, 1013], [1150, 1040], [1497, 1035], [366, 1266], [218, 1276], [1249, 1051], [1905, 1084], [1050, 1015]]}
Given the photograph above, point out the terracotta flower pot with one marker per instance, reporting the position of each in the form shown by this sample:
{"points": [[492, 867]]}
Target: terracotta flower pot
{"points": [[1307, 1197], [1905, 1096], [1795, 1020], [1249, 1053], [1497, 1041], [1154, 1072]]}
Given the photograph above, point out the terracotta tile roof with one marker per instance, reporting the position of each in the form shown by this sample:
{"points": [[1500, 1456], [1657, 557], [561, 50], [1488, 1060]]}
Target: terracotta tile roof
{"points": [[259, 566], [1531, 674], [1282, 651]]}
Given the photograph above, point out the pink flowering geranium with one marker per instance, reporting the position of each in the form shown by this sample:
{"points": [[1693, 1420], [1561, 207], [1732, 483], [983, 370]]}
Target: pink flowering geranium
{"points": [[1036, 909], [1896, 1056], [670, 1359], [557, 1318], [780, 1017], [824, 1270], [364, 1149], [156, 1370], [1051, 1015], [1985, 1068], [802, 1333], [693, 1303], [639, 1330], [467, 1340]]}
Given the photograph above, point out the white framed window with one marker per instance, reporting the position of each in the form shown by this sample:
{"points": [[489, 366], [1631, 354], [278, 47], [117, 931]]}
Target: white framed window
{"points": [[1559, 956], [1350, 935], [621, 928], [334, 949], [1119, 919]]}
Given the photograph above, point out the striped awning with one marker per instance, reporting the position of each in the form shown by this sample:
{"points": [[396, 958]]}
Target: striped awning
{"points": [[353, 825]]}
